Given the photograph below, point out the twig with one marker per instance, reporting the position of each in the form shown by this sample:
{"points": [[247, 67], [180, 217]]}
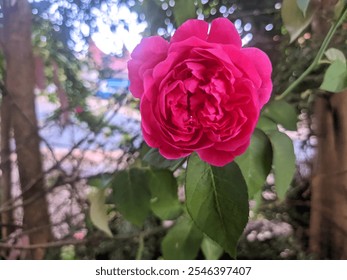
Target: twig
{"points": [[44, 245], [318, 57], [141, 247], [61, 243]]}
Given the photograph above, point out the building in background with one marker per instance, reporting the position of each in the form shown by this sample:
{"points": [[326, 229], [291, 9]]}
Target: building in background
{"points": [[112, 70]]}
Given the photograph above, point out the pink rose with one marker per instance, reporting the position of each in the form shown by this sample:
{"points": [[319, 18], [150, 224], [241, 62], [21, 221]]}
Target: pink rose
{"points": [[201, 92]]}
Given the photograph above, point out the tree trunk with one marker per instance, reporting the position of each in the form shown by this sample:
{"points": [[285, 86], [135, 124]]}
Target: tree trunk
{"points": [[328, 225], [19, 85], [6, 182]]}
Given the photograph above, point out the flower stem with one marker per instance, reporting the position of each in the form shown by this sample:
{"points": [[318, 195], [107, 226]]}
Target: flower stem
{"points": [[141, 247], [318, 57]]}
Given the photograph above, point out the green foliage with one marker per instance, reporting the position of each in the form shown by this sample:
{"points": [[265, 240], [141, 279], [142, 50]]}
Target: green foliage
{"points": [[296, 18], [183, 10], [98, 210], [334, 54], [281, 113], [217, 201], [339, 6], [131, 194], [255, 163], [335, 78], [62, 69], [183, 240], [155, 159], [303, 5], [265, 124], [67, 252], [101, 181], [164, 201], [283, 156], [211, 249], [283, 161], [138, 191]]}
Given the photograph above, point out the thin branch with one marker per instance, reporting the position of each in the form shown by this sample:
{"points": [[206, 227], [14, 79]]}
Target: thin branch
{"points": [[61, 243], [318, 57], [56, 165], [44, 245], [10, 225]]}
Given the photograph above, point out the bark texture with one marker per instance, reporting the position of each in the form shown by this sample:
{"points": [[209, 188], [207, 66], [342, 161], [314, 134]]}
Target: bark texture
{"points": [[6, 182], [19, 85], [328, 225]]}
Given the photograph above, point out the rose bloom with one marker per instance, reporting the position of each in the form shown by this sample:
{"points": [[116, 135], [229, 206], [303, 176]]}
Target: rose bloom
{"points": [[200, 92]]}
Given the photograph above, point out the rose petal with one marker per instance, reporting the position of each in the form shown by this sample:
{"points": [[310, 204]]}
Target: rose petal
{"points": [[162, 68], [170, 152], [191, 28], [136, 82], [145, 56], [201, 92], [223, 31], [154, 45], [149, 124], [216, 158], [264, 68], [245, 63], [221, 158]]}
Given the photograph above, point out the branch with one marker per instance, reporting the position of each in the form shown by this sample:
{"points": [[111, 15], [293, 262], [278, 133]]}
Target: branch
{"points": [[61, 243], [318, 57], [44, 245]]}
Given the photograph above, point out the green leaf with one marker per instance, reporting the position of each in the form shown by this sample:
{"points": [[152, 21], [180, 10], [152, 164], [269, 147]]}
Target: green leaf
{"points": [[255, 163], [303, 5], [100, 181], [67, 252], [266, 125], [164, 201], [283, 161], [281, 113], [339, 8], [335, 54], [155, 159], [131, 194], [293, 18], [210, 249], [257, 199], [183, 240], [183, 10], [98, 210], [217, 201], [335, 78]]}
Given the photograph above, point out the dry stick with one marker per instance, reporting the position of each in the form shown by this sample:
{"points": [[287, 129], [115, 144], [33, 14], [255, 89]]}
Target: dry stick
{"points": [[56, 166], [44, 245], [60, 243], [10, 225], [33, 230]]}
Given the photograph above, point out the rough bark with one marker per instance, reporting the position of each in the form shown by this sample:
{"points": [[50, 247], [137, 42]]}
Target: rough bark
{"points": [[6, 182], [19, 84], [328, 225]]}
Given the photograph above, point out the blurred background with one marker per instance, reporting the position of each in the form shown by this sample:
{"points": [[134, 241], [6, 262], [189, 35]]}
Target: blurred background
{"points": [[57, 157]]}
